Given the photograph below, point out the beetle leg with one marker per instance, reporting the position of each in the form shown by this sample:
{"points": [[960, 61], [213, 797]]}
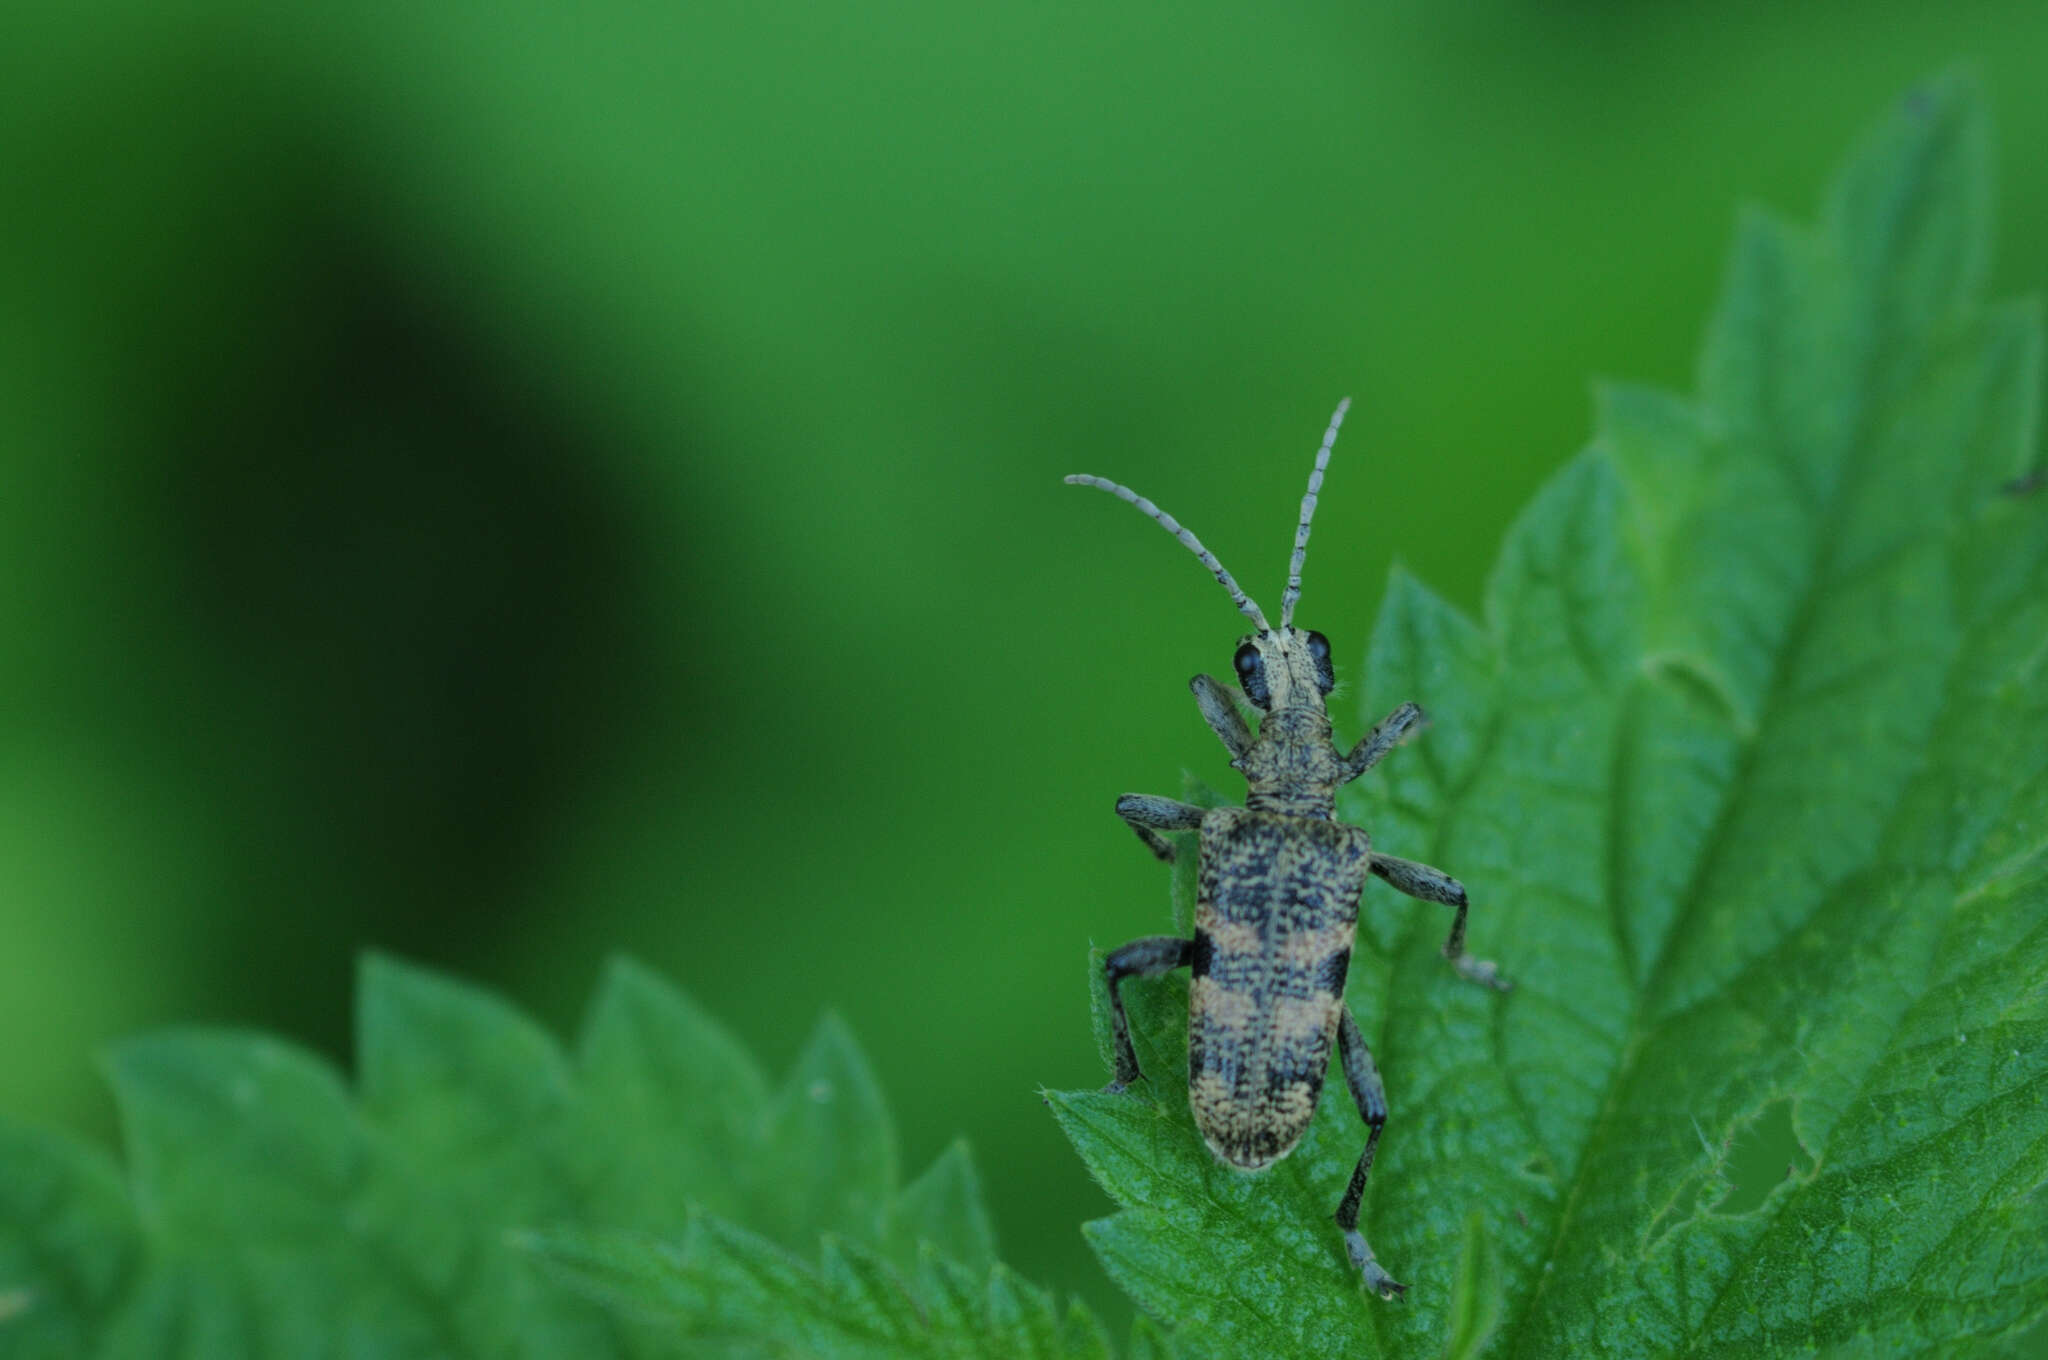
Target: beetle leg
{"points": [[1374, 745], [1434, 885], [1219, 705], [1371, 1097], [1148, 816], [1149, 957]]}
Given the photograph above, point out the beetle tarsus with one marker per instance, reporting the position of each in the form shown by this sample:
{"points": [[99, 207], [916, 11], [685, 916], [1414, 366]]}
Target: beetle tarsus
{"points": [[1376, 1277], [1485, 972]]}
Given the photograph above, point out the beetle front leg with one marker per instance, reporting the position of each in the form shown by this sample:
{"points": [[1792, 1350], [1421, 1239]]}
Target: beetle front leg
{"points": [[1220, 709], [1374, 745], [1148, 816], [1371, 1097], [1434, 885], [1149, 957]]}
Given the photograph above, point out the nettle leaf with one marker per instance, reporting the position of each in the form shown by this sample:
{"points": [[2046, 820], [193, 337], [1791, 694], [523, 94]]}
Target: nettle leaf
{"points": [[943, 1207], [1746, 769], [686, 1094], [68, 1243], [441, 1206]]}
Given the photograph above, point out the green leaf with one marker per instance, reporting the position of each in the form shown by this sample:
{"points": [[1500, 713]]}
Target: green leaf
{"points": [[256, 1180], [473, 1091], [204, 1110], [828, 1161], [68, 1243], [943, 1207], [1746, 769], [722, 1282], [687, 1098], [480, 1131], [269, 1209]]}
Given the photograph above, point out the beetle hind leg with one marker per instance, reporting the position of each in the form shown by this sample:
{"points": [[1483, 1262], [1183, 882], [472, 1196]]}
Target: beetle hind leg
{"points": [[1364, 1080]]}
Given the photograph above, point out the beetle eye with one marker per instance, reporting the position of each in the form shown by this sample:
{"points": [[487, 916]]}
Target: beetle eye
{"points": [[1319, 652], [1251, 674]]}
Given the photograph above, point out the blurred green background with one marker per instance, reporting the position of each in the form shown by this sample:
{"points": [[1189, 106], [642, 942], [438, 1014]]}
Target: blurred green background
{"points": [[508, 483]]}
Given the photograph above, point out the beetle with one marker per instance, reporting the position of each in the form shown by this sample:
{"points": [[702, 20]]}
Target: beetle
{"points": [[1277, 894]]}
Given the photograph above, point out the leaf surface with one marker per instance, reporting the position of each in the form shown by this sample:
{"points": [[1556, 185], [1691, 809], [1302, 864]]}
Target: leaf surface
{"points": [[478, 1192], [68, 1243], [1746, 769]]}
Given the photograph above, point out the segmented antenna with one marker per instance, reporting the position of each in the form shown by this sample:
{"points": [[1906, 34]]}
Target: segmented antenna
{"points": [[1245, 604], [1308, 512]]}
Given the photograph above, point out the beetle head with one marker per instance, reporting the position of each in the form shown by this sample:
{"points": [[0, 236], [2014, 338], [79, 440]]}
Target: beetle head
{"points": [[1284, 668]]}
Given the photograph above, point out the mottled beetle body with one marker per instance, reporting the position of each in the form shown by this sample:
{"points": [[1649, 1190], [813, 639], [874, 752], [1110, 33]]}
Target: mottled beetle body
{"points": [[1277, 897], [1274, 916]]}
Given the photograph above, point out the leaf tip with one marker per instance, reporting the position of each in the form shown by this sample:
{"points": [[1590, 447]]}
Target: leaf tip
{"points": [[623, 970], [375, 969]]}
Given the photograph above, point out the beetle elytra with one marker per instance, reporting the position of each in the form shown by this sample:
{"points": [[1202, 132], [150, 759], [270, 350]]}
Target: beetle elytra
{"points": [[1277, 897]]}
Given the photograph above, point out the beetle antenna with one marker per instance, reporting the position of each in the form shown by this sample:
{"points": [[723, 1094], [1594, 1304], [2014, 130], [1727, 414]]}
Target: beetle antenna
{"points": [[1308, 512], [1245, 604]]}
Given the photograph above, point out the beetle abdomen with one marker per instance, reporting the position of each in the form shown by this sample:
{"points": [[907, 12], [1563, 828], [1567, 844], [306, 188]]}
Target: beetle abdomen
{"points": [[1274, 922]]}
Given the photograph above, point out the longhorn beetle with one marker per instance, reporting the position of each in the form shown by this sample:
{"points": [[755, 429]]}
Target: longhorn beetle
{"points": [[1277, 898]]}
